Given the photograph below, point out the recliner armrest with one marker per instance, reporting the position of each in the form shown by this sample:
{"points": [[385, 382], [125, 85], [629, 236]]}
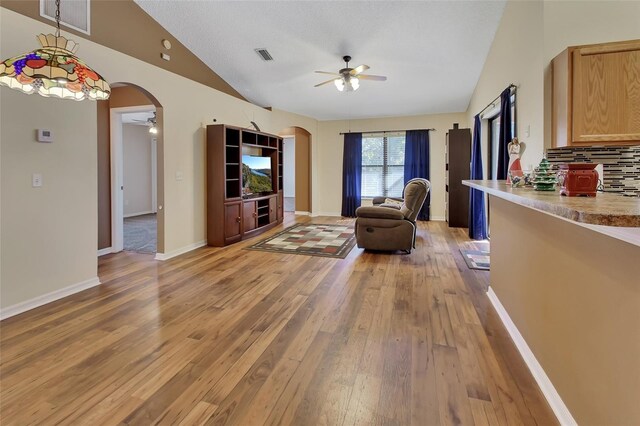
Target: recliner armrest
{"points": [[379, 213], [381, 200]]}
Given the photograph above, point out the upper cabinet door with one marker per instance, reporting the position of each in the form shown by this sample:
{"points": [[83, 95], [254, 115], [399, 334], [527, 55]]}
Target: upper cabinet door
{"points": [[602, 103], [606, 93]]}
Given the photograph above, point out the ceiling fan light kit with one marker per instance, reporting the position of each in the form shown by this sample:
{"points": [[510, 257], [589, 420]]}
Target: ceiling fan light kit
{"points": [[348, 79]]}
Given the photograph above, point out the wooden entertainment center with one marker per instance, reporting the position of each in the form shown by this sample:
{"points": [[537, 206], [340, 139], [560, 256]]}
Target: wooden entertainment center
{"points": [[232, 213]]}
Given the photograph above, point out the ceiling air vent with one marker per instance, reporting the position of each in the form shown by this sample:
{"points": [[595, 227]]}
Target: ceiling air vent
{"points": [[264, 54], [74, 14]]}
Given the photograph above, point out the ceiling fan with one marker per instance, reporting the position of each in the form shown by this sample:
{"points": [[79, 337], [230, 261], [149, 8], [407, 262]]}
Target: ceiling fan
{"points": [[348, 79], [151, 122]]}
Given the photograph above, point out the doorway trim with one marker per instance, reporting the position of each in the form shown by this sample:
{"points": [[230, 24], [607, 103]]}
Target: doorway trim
{"points": [[117, 173]]}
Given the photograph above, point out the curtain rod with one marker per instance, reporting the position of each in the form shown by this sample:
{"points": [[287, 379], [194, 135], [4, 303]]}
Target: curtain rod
{"points": [[385, 131], [511, 86]]}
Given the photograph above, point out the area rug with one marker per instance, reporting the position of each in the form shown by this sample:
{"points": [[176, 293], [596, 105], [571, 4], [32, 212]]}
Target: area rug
{"points": [[311, 240], [476, 259]]}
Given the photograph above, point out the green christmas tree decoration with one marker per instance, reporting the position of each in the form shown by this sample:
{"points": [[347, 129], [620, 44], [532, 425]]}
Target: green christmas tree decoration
{"points": [[545, 178]]}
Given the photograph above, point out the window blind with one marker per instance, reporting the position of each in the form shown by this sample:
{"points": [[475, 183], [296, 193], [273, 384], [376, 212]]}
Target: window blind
{"points": [[383, 164]]}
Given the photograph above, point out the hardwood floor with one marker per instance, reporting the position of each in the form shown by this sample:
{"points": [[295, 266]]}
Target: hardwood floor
{"points": [[232, 336]]}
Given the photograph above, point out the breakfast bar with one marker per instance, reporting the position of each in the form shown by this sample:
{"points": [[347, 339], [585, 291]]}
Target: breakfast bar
{"points": [[565, 279]]}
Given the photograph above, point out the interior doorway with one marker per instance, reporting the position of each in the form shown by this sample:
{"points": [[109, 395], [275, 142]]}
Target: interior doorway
{"points": [[130, 127], [289, 178], [297, 170], [139, 178]]}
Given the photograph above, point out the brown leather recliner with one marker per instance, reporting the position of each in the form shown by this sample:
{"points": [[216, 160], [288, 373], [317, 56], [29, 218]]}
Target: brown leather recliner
{"points": [[387, 226]]}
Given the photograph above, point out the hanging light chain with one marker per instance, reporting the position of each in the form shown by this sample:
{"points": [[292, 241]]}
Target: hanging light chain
{"points": [[58, 18]]}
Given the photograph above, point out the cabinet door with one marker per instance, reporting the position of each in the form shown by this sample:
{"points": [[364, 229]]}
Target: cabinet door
{"points": [[232, 220], [280, 210], [249, 215], [606, 93], [273, 209]]}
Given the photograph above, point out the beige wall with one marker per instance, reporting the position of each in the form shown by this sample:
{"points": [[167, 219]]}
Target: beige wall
{"points": [[118, 23], [573, 23], [329, 155], [49, 234], [188, 106], [136, 147], [530, 35], [516, 56]]}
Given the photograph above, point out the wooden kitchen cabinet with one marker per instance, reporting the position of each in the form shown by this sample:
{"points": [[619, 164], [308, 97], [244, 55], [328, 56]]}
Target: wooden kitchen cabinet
{"points": [[596, 95]]}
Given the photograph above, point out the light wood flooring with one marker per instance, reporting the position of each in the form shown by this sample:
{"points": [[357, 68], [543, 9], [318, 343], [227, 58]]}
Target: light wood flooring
{"points": [[232, 336]]}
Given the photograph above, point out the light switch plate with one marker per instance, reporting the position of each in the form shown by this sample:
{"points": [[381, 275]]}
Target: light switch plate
{"points": [[36, 180], [179, 176]]}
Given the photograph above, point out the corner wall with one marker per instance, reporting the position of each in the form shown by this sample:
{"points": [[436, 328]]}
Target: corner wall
{"points": [[49, 234], [329, 156], [49, 243], [574, 23], [531, 33], [516, 56]]}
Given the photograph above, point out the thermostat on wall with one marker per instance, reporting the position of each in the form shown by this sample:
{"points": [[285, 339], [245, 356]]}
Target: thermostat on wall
{"points": [[45, 136]]}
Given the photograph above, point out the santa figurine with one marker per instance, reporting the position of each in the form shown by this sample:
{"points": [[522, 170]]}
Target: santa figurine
{"points": [[515, 168]]}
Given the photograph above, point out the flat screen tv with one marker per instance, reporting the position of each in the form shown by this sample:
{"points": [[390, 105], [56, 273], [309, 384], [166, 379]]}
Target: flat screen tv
{"points": [[256, 175]]}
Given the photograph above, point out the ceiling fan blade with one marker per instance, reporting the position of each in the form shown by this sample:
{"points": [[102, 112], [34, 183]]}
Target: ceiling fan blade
{"points": [[326, 82], [372, 77], [357, 70], [326, 72]]}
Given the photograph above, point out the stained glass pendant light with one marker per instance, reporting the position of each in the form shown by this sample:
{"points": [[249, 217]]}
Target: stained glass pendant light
{"points": [[54, 70]]}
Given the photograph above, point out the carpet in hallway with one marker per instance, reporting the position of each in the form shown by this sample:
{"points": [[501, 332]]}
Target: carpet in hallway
{"points": [[140, 233]]}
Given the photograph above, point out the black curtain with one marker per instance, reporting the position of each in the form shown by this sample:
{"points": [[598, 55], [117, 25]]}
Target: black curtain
{"points": [[351, 173], [477, 215], [416, 163], [505, 135]]}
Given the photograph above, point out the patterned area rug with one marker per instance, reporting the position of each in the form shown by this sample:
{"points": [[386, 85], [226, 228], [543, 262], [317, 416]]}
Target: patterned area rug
{"points": [[476, 259], [312, 240]]}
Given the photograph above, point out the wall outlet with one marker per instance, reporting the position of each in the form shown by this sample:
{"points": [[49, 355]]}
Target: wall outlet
{"points": [[36, 180]]}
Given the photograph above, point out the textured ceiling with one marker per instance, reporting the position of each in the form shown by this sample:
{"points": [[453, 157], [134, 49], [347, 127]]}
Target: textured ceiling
{"points": [[432, 52]]}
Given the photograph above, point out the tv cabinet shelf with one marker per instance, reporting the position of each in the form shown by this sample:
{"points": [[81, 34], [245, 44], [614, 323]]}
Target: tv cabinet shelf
{"points": [[232, 217]]}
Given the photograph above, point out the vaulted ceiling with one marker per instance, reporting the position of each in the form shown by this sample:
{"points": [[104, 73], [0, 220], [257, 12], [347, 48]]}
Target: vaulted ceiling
{"points": [[432, 52]]}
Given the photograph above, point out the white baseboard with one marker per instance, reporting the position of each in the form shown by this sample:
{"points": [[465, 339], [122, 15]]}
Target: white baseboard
{"points": [[316, 214], [549, 391], [437, 218], [102, 252], [301, 213], [27, 305], [138, 214], [182, 250]]}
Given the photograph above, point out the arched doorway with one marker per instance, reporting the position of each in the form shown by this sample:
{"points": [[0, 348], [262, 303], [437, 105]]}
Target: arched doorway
{"points": [[126, 99], [297, 143]]}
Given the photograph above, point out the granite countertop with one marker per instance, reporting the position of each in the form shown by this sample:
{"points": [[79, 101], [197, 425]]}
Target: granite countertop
{"points": [[604, 209]]}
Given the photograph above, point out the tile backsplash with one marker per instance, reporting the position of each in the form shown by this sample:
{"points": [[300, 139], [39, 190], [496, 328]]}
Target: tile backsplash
{"points": [[621, 165]]}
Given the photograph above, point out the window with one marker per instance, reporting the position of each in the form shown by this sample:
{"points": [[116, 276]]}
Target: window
{"points": [[382, 164], [494, 134]]}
